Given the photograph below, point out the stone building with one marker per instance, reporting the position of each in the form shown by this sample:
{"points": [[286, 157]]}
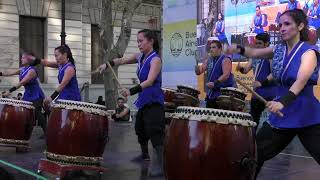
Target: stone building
{"points": [[35, 25]]}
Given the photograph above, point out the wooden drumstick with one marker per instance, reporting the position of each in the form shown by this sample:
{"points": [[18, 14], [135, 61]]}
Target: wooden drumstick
{"points": [[252, 91], [256, 95], [114, 74]]}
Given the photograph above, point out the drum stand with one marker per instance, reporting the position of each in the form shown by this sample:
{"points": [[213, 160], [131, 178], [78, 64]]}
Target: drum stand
{"points": [[61, 170]]}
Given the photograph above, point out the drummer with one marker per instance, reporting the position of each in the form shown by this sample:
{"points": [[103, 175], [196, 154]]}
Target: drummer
{"points": [[295, 65], [258, 21], [28, 77], [150, 119], [68, 85], [218, 67], [263, 78], [219, 29]]}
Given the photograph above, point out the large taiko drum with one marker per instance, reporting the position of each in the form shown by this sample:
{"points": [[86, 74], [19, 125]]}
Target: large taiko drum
{"points": [[16, 122], [210, 144], [77, 132], [312, 35]]}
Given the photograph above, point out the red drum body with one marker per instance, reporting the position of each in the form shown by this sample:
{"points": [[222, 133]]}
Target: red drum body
{"points": [[312, 35], [210, 144], [16, 122], [77, 133], [250, 39]]}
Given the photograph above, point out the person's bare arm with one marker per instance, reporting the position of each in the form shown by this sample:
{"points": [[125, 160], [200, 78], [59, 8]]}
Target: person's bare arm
{"points": [[226, 69], [68, 74], [11, 73], [123, 113], [155, 68]]}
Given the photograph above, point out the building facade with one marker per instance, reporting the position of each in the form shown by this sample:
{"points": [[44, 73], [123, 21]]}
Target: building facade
{"points": [[35, 25]]}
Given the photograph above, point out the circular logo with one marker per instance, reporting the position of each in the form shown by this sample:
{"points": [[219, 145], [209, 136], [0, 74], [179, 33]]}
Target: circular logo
{"points": [[176, 44]]}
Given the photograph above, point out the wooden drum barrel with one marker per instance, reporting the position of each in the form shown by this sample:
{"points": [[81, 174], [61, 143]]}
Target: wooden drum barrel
{"points": [[210, 144], [77, 132], [16, 122]]}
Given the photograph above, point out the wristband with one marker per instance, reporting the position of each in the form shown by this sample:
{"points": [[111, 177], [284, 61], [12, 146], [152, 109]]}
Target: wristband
{"points": [[216, 82], [111, 63], [288, 98], [54, 95], [12, 89], [135, 89]]}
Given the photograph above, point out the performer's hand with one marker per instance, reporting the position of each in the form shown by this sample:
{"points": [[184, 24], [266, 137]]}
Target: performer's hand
{"points": [[210, 85], [101, 68], [125, 92], [6, 94], [47, 101], [256, 84], [197, 69], [231, 49], [275, 107]]}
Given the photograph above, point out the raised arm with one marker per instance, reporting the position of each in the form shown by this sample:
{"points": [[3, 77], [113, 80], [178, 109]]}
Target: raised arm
{"points": [[119, 61], [44, 62], [52, 64], [250, 52], [11, 73]]}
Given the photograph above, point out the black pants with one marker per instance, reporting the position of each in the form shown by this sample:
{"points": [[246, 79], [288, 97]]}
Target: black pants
{"points": [[150, 124], [212, 103], [271, 141], [256, 109], [38, 104]]}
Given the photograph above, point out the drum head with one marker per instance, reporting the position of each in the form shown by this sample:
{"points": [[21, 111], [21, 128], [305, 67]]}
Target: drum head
{"points": [[213, 115], [82, 106]]}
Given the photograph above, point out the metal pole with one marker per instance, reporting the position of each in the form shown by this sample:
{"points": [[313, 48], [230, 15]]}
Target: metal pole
{"points": [[63, 26]]}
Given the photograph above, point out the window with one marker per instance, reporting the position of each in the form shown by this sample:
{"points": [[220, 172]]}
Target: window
{"points": [[31, 33]]}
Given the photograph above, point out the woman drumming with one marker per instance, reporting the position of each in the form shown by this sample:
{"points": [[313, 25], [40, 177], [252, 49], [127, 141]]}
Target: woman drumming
{"points": [[68, 85], [295, 66], [150, 116], [28, 77], [218, 67]]}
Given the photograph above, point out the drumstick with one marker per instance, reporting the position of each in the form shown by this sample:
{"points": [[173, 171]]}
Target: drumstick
{"points": [[260, 98], [114, 74], [252, 91]]}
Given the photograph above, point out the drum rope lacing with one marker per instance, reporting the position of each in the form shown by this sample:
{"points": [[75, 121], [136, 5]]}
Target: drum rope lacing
{"points": [[213, 115], [16, 103], [82, 106]]}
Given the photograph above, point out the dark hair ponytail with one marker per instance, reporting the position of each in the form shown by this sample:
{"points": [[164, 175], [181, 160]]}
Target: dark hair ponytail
{"points": [[149, 34], [299, 17], [66, 49]]}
